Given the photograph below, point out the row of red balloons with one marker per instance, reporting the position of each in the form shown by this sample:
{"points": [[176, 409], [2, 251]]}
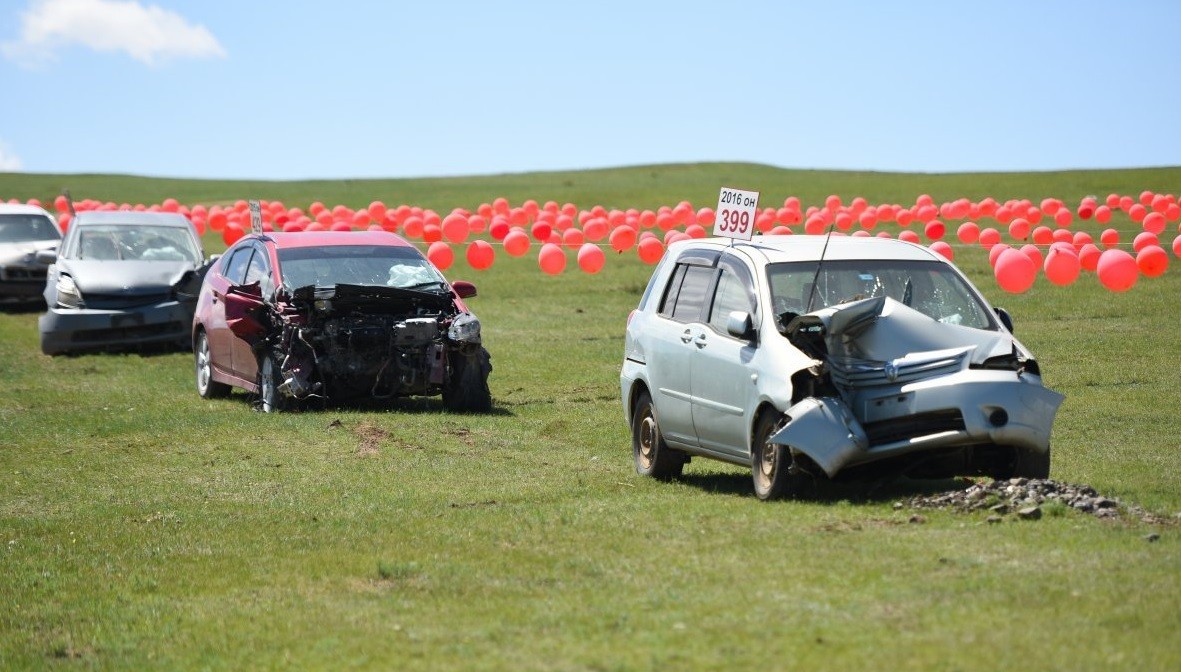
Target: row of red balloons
{"points": [[554, 227]]}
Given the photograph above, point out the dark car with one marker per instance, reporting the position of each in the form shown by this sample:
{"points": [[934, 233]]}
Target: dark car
{"points": [[121, 280], [25, 230], [336, 316]]}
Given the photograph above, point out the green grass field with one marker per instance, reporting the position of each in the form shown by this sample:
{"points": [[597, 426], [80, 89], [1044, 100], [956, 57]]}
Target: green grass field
{"points": [[142, 527]]}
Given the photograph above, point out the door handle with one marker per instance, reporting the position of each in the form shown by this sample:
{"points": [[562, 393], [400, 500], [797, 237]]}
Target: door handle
{"points": [[701, 341], [686, 336]]}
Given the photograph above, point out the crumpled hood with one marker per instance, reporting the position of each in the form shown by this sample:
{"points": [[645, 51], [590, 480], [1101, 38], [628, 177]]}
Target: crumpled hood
{"points": [[124, 277], [24, 252], [882, 329]]}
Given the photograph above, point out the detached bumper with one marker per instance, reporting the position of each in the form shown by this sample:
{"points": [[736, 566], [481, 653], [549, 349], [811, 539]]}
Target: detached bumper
{"points": [[65, 330], [970, 408]]}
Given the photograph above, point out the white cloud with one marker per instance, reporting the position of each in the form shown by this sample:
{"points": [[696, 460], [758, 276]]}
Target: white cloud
{"points": [[9, 162], [148, 34]]}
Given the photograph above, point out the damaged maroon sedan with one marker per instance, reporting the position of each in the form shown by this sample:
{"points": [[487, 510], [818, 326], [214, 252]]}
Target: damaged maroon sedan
{"points": [[336, 316]]}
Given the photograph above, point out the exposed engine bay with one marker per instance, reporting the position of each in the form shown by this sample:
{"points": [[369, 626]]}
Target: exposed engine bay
{"points": [[357, 341]]}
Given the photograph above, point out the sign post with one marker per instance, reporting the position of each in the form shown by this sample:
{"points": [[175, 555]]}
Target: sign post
{"points": [[736, 213], [255, 216]]}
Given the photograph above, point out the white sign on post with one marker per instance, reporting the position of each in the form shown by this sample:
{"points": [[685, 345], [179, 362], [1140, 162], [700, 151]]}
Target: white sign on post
{"points": [[255, 216], [735, 217]]}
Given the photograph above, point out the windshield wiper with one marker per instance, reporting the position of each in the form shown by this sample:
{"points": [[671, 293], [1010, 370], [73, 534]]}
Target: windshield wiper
{"points": [[437, 284]]}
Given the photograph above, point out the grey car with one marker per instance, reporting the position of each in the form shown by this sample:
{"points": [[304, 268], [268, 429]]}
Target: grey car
{"points": [[850, 358], [122, 280], [25, 230]]}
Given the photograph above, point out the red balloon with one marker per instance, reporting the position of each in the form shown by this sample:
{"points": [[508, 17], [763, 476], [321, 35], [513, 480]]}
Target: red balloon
{"points": [[61, 204], [1062, 265], [1177, 246], [1154, 222], [650, 250], [1109, 238], [361, 219], [541, 230], [499, 228], [622, 238], [1015, 272], [551, 259], [696, 231], [431, 233], [1117, 270], [231, 233], [480, 255], [218, 220], [573, 238], [516, 243], [1034, 254], [377, 211], [995, 252], [1081, 238], [456, 228], [968, 233], [412, 227], [1137, 213], [1152, 261], [441, 255], [591, 258], [1144, 239], [989, 237], [1063, 218], [909, 236], [706, 216], [1019, 228], [1103, 214], [338, 226], [596, 229], [1088, 257], [814, 225], [1042, 235], [943, 249], [477, 223]]}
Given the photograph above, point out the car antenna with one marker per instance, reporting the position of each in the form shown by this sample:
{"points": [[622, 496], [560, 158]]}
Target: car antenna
{"points": [[816, 277], [69, 203]]}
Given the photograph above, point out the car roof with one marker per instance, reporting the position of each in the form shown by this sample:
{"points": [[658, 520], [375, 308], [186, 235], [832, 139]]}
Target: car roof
{"points": [[332, 238], [786, 248], [21, 209], [88, 217]]}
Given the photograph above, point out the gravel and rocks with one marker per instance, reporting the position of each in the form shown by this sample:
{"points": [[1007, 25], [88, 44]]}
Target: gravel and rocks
{"points": [[1030, 499]]}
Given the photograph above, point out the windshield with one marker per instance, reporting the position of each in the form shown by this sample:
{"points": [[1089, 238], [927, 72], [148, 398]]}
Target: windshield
{"points": [[20, 228], [135, 242], [370, 265], [929, 287]]}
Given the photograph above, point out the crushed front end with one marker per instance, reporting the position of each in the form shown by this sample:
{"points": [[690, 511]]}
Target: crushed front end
{"points": [[894, 389]]}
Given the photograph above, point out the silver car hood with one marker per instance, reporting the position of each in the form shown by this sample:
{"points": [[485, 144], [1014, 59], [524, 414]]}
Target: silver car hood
{"points": [[882, 329], [124, 277], [24, 252]]}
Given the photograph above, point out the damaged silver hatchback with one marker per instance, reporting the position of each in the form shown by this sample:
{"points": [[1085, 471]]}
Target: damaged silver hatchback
{"points": [[845, 358]]}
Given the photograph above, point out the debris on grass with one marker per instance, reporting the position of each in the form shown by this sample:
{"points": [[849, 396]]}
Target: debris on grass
{"points": [[1030, 499]]}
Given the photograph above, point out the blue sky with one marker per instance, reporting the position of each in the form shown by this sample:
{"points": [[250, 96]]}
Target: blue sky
{"points": [[285, 90]]}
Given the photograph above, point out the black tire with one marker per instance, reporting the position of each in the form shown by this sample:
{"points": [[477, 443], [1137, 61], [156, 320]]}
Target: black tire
{"points": [[652, 455], [770, 463], [207, 387], [270, 400], [1032, 464], [467, 389]]}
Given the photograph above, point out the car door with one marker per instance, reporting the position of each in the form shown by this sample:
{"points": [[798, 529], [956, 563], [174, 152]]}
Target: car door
{"points": [[723, 387], [220, 278], [242, 352], [678, 325]]}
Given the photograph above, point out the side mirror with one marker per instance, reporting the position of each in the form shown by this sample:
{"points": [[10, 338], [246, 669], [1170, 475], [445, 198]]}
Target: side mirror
{"points": [[1005, 318], [46, 257], [464, 289], [212, 258], [740, 325]]}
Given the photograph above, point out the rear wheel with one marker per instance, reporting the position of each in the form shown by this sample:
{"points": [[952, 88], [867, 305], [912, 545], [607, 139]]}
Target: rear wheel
{"points": [[207, 387], [271, 400], [652, 455], [1032, 464], [771, 463]]}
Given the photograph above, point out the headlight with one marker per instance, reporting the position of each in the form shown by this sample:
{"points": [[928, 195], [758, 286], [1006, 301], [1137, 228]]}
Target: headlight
{"points": [[465, 329], [68, 295]]}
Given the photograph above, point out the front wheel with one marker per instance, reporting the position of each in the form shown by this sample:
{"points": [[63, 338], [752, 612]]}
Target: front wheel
{"points": [[467, 390], [207, 387], [1032, 464], [652, 455], [271, 400], [771, 463]]}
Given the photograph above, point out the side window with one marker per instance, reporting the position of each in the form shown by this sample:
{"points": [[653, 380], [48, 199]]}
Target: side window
{"points": [[257, 271], [730, 295], [670, 293], [235, 268], [693, 294]]}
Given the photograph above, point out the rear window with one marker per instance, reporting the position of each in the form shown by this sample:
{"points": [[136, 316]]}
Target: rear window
{"points": [[20, 228], [687, 293]]}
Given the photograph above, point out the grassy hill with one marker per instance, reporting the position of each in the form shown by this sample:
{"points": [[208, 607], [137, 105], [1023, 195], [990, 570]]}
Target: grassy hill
{"points": [[142, 527]]}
